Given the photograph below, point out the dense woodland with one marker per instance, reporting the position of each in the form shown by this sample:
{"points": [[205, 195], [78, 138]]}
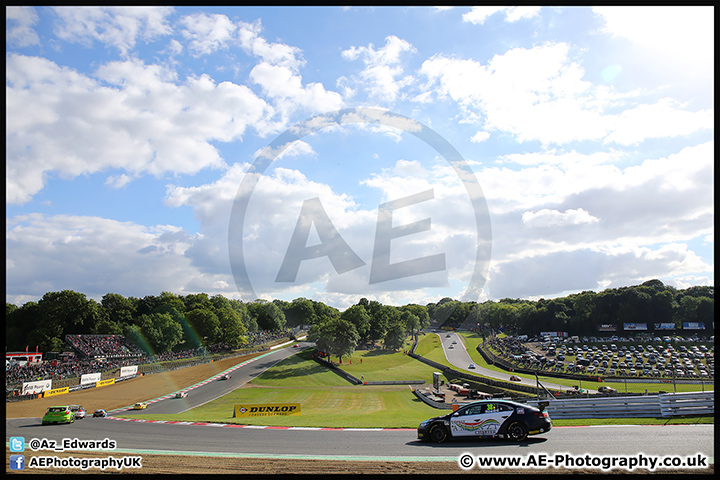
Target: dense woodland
{"points": [[169, 322]]}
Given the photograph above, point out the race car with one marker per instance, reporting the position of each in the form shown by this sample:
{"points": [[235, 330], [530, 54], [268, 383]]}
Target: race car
{"points": [[488, 419], [99, 413], [181, 395], [515, 378], [140, 406], [58, 414], [78, 411], [225, 377]]}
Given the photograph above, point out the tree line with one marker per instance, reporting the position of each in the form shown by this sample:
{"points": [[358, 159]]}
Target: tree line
{"points": [[586, 312], [168, 322]]}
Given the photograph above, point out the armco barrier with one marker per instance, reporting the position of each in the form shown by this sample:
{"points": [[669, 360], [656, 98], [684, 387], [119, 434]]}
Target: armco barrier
{"points": [[608, 407], [696, 403], [645, 406]]}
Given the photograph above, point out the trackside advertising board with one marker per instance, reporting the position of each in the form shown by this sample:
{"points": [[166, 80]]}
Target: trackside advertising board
{"points": [[128, 371], [267, 409], [56, 391], [31, 388]]}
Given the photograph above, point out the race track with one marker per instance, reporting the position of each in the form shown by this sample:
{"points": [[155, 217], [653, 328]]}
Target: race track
{"points": [[144, 438]]}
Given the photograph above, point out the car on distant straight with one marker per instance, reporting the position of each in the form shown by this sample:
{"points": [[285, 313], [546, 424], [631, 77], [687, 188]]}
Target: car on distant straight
{"points": [[181, 395], [140, 406], [225, 377], [471, 366], [100, 413], [514, 378], [488, 419], [78, 411], [58, 414]]}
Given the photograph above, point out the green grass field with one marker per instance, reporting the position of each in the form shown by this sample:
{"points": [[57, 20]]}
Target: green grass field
{"points": [[328, 400]]}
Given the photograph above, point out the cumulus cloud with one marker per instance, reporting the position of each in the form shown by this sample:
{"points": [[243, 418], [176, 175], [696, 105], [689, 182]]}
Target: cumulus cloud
{"points": [[383, 73], [65, 250], [552, 218], [128, 115], [19, 30], [478, 15], [207, 33], [119, 27], [539, 94]]}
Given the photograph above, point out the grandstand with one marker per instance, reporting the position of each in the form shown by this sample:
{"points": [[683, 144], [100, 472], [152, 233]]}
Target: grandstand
{"points": [[109, 347]]}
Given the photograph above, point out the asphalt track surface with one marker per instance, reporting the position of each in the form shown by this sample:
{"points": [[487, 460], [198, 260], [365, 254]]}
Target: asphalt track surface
{"points": [[143, 437]]}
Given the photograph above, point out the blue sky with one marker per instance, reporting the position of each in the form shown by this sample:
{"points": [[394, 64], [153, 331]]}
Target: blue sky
{"points": [[130, 132]]}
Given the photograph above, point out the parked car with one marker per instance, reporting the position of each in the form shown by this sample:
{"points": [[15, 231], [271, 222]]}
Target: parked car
{"points": [[488, 419], [58, 414], [78, 411]]}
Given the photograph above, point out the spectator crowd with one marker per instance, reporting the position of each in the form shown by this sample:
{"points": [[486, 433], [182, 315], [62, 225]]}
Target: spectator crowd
{"points": [[118, 352]]}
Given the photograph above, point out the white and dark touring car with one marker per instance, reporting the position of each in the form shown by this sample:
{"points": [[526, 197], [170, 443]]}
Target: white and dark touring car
{"points": [[488, 419]]}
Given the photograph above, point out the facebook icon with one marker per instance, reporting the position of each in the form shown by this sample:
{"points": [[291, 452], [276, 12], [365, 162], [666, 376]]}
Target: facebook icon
{"points": [[17, 462]]}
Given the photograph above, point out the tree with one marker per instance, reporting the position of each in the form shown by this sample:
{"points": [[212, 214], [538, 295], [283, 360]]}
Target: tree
{"points": [[300, 312], [268, 316], [335, 337], [205, 323], [357, 315], [395, 335], [119, 310], [420, 313], [232, 329], [160, 331]]}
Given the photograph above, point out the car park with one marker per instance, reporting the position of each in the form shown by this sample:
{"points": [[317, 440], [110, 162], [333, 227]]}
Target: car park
{"points": [[140, 406], [58, 414], [78, 411], [488, 419], [100, 413]]}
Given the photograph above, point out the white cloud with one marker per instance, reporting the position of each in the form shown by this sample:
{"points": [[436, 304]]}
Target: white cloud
{"points": [[539, 94], [383, 73], [119, 27], [478, 15], [552, 218], [20, 31], [129, 116], [65, 250], [272, 53], [288, 94], [207, 33], [678, 33]]}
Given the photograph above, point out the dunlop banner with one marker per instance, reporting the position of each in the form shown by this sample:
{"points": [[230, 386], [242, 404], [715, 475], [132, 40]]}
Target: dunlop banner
{"points": [[56, 391], [267, 409], [102, 383]]}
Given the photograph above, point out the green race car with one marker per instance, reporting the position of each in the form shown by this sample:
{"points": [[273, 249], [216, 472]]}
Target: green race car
{"points": [[59, 414]]}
